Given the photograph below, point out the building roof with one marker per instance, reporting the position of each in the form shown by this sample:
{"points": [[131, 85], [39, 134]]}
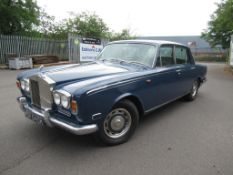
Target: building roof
{"points": [[200, 43]]}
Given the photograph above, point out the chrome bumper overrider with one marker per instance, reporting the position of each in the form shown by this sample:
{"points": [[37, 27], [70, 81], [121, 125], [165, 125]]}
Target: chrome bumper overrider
{"points": [[43, 116]]}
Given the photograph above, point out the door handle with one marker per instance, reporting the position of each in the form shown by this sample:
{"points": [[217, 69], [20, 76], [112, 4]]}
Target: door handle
{"points": [[193, 67]]}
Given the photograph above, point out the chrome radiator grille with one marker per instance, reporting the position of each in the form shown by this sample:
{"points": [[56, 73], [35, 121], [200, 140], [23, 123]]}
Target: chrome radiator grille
{"points": [[35, 93], [41, 96]]}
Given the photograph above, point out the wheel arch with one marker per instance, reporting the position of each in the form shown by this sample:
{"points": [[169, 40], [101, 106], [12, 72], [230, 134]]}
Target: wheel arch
{"points": [[199, 81], [134, 99]]}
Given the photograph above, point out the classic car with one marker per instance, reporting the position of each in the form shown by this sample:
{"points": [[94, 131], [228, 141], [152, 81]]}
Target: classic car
{"points": [[107, 97]]}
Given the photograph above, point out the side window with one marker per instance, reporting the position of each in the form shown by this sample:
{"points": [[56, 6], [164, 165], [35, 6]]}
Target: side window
{"points": [[181, 55], [166, 55]]}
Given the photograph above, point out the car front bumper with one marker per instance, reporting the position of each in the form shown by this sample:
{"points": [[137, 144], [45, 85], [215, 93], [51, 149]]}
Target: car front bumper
{"points": [[44, 117]]}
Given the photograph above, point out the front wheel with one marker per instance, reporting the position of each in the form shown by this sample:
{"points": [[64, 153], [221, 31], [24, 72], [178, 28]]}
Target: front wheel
{"points": [[194, 91], [120, 124]]}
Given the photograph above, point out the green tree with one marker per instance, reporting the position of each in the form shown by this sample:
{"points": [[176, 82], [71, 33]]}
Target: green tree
{"points": [[47, 24], [123, 35], [18, 16], [220, 27], [84, 24]]}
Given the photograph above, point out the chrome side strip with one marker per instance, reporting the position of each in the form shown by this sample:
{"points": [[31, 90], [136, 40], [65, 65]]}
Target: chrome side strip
{"points": [[96, 114], [128, 81], [110, 85]]}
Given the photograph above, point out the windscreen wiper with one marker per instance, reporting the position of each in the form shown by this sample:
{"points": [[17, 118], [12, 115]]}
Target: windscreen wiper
{"points": [[118, 60], [113, 60], [138, 63]]}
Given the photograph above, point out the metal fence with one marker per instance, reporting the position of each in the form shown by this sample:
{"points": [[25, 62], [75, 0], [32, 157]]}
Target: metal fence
{"points": [[209, 52], [26, 46], [22, 46]]}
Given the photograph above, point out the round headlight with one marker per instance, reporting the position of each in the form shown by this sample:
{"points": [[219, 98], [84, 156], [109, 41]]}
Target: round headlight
{"points": [[57, 98], [65, 101], [23, 85]]}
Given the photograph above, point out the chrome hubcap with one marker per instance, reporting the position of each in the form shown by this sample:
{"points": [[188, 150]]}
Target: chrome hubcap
{"points": [[117, 123]]}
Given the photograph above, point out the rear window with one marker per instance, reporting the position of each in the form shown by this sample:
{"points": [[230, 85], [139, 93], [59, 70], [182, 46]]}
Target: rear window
{"points": [[181, 55]]}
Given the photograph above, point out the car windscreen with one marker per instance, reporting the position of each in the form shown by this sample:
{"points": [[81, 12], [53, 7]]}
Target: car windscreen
{"points": [[129, 52]]}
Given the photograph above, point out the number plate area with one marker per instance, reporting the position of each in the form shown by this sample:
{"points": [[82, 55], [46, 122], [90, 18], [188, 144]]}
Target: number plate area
{"points": [[36, 118]]}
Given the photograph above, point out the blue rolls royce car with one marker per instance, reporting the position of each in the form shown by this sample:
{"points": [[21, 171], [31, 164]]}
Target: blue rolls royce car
{"points": [[108, 96]]}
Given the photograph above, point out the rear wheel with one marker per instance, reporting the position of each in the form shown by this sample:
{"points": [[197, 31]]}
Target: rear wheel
{"points": [[194, 91], [120, 124]]}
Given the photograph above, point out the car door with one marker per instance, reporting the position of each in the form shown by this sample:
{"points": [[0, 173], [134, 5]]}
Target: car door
{"points": [[184, 69], [166, 79]]}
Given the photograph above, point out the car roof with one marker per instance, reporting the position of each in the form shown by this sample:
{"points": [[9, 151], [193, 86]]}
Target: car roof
{"points": [[153, 42]]}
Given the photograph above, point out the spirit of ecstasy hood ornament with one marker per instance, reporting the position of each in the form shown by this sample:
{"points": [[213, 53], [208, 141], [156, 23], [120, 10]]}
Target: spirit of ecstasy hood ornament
{"points": [[41, 67], [40, 71], [45, 77]]}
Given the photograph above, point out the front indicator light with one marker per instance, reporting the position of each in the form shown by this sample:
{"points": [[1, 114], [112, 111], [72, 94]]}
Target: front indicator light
{"points": [[18, 84], [74, 107]]}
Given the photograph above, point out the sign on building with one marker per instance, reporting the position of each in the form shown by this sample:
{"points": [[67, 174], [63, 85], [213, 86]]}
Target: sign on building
{"points": [[231, 52], [89, 49]]}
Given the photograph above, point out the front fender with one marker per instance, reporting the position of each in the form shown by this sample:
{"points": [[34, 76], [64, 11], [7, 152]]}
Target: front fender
{"points": [[93, 108]]}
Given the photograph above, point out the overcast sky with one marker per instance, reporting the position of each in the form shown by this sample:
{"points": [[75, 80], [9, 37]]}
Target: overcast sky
{"points": [[143, 17]]}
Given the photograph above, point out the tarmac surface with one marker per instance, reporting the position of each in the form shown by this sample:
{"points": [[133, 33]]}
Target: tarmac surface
{"points": [[181, 138]]}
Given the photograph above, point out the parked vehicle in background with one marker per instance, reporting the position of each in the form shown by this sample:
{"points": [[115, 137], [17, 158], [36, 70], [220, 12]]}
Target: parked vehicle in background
{"points": [[107, 97]]}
